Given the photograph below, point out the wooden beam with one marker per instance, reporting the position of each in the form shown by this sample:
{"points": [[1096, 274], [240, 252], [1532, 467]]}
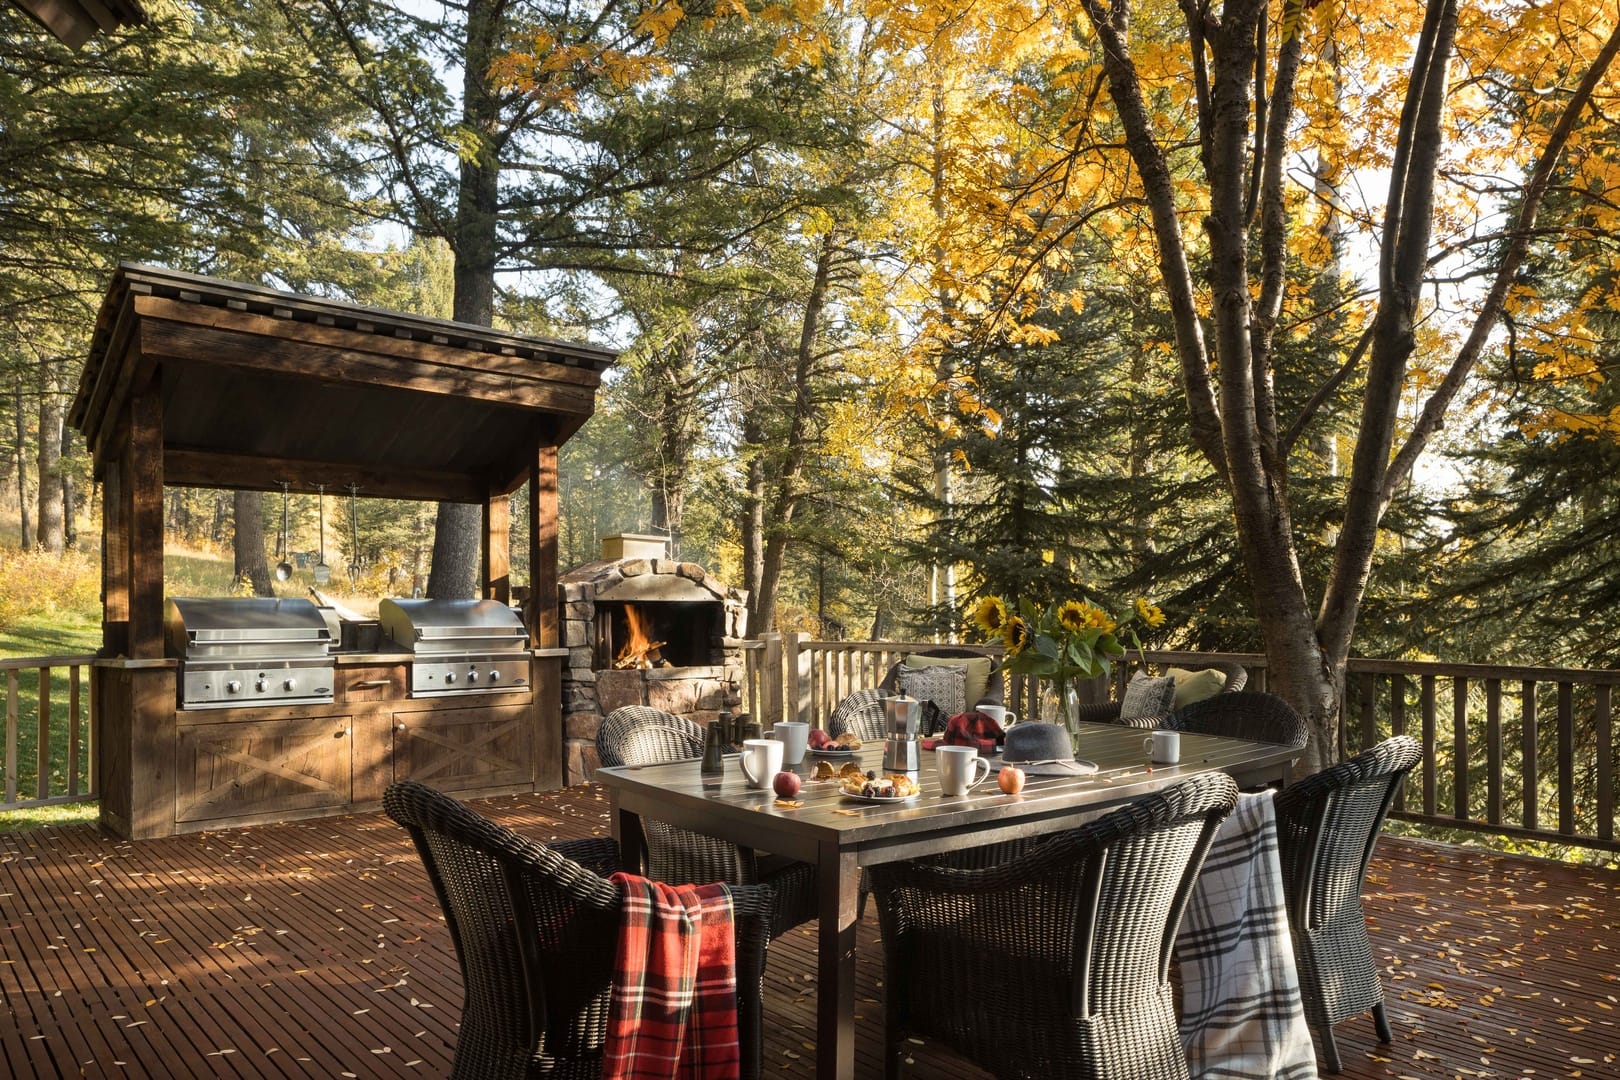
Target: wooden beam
{"points": [[498, 548], [114, 563], [185, 467], [541, 610], [143, 499]]}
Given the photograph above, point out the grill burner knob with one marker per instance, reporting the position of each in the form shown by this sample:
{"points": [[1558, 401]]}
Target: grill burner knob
{"points": [[234, 686], [494, 676], [290, 684], [261, 686], [472, 676], [449, 677]]}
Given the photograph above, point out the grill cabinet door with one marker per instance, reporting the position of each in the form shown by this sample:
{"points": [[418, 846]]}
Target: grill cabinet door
{"points": [[262, 767], [465, 749]]}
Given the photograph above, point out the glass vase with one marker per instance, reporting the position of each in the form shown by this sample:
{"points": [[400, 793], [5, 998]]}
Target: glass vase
{"points": [[1060, 704]]}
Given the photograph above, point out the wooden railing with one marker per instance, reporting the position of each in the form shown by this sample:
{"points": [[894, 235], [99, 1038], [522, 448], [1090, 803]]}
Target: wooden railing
{"points": [[50, 728], [1517, 751]]}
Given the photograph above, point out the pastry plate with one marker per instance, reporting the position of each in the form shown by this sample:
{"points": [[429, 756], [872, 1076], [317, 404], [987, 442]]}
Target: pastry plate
{"points": [[877, 798], [835, 752]]}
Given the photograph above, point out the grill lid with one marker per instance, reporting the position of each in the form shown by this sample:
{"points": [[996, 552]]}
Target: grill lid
{"points": [[441, 626], [196, 623]]}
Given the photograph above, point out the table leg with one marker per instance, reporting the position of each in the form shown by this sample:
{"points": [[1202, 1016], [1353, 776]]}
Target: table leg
{"points": [[838, 883], [632, 844]]}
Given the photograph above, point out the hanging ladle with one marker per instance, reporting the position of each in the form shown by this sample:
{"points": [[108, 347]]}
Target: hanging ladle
{"points": [[323, 573], [283, 568], [356, 564]]}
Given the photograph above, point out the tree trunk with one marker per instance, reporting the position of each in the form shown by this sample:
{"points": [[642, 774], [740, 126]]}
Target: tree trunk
{"points": [[70, 528], [25, 523], [457, 536], [49, 491], [787, 490], [247, 511], [753, 519]]}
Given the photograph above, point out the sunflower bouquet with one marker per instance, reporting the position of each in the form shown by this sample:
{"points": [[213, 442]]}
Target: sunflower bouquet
{"points": [[1064, 642]]}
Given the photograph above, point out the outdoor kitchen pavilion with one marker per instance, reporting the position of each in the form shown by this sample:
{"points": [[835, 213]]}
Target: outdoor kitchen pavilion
{"points": [[194, 381]]}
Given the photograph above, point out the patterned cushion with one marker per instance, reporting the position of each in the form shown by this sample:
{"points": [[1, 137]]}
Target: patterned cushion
{"points": [[1194, 686], [1145, 696], [945, 685], [976, 683]]}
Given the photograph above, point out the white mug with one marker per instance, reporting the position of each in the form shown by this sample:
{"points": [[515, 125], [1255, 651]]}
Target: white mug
{"points": [[794, 735], [761, 761], [1002, 716], [1165, 746], [959, 769]]}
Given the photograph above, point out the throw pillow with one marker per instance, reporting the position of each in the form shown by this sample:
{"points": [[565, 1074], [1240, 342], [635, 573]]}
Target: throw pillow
{"points": [[1145, 696], [977, 682], [1194, 686], [942, 684]]}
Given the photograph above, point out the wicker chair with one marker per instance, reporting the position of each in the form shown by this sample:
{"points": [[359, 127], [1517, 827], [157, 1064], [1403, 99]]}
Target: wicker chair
{"points": [[862, 713], [1056, 962], [535, 928], [1107, 712], [995, 694], [639, 735], [1327, 825]]}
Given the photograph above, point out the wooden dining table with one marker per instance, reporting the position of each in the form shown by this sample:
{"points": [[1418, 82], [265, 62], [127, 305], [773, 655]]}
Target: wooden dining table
{"points": [[841, 835]]}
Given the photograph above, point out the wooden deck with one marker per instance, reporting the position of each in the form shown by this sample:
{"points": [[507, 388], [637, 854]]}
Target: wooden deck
{"points": [[316, 949]]}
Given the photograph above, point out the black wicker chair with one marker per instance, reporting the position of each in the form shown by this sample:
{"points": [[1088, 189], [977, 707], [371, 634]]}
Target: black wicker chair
{"points": [[1327, 825], [639, 735], [1107, 712], [1244, 715], [1056, 962], [535, 928]]}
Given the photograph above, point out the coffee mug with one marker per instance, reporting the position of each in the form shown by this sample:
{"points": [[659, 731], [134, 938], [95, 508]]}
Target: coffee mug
{"points": [[794, 735], [959, 768], [1165, 746], [1005, 717], [761, 761]]}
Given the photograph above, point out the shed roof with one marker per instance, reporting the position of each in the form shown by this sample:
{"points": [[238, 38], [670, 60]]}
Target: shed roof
{"points": [[261, 387]]}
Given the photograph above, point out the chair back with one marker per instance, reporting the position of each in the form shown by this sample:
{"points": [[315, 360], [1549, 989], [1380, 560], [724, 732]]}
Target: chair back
{"points": [[862, 713], [535, 933], [641, 735], [1067, 945], [1244, 714], [1327, 825]]}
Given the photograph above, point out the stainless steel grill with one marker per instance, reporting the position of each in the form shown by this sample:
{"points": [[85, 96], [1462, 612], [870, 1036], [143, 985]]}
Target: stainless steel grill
{"points": [[459, 646], [238, 652]]}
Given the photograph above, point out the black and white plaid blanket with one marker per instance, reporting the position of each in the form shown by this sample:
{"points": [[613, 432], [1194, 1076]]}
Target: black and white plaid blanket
{"points": [[1241, 1016]]}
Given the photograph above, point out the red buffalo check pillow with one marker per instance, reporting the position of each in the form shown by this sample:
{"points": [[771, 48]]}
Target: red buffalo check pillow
{"points": [[673, 1009]]}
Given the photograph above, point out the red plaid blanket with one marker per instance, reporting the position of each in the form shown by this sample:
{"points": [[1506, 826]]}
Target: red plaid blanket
{"points": [[673, 1012]]}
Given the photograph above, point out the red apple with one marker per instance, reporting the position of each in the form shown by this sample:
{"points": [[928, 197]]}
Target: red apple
{"points": [[820, 740], [1011, 780], [786, 784]]}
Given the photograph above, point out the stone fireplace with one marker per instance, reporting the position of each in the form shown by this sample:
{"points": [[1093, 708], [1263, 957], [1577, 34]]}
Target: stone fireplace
{"points": [[644, 629]]}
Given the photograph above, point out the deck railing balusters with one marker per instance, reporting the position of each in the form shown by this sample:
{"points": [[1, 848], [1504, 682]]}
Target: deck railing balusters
{"points": [[1566, 759], [1603, 722], [1459, 748], [1527, 754], [68, 738], [1493, 751], [1430, 750]]}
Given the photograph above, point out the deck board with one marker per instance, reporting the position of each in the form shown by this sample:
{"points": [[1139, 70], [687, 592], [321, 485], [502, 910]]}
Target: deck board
{"points": [[317, 949]]}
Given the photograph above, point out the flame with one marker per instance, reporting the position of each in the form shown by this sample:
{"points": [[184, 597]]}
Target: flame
{"points": [[638, 650]]}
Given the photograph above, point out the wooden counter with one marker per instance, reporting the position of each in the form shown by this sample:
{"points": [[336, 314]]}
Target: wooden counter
{"points": [[165, 769]]}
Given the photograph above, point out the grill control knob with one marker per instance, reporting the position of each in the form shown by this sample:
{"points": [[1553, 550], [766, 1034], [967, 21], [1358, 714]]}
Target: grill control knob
{"points": [[234, 686], [472, 676], [261, 686], [494, 676], [290, 684], [449, 677]]}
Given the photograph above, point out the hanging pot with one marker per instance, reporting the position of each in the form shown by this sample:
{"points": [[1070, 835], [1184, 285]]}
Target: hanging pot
{"points": [[283, 568]]}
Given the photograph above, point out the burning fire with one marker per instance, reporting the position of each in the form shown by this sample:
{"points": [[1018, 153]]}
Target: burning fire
{"points": [[639, 651]]}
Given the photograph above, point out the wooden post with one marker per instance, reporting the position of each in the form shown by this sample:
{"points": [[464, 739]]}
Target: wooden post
{"points": [[771, 678], [1459, 748], [143, 500], [800, 683], [498, 549], [114, 563], [1528, 756], [541, 611]]}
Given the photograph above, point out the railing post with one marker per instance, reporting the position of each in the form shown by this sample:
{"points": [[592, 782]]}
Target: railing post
{"points": [[1426, 707], [1527, 753], [1566, 759], [1459, 748], [1605, 765], [796, 663], [770, 690]]}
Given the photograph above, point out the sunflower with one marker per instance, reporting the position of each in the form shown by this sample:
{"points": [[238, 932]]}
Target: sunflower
{"points": [[1150, 614], [1077, 615], [1014, 634], [990, 614]]}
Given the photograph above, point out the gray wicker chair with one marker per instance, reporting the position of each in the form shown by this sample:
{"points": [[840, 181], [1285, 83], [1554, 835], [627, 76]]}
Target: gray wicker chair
{"points": [[535, 928], [1055, 963], [1107, 712], [1245, 715], [1327, 825], [862, 713], [639, 735]]}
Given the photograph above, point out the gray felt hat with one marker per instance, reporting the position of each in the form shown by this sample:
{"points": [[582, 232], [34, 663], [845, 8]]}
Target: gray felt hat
{"points": [[1043, 750]]}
